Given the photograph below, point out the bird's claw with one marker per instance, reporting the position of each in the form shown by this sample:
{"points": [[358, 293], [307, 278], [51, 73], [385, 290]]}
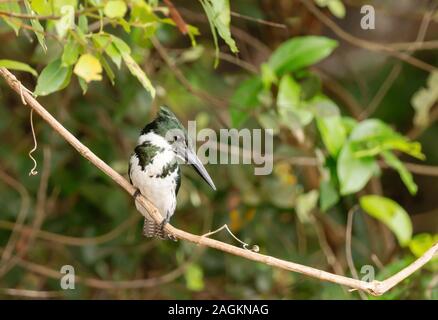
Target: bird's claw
{"points": [[136, 193], [165, 234]]}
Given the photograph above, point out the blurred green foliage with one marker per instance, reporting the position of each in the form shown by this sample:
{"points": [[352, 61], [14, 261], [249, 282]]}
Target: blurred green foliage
{"points": [[102, 68]]}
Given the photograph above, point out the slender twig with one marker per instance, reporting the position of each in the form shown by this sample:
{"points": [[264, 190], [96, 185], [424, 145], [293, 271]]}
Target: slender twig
{"points": [[257, 20], [395, 71], [18, 224], [362, 43], [28, 16], [176, 17], [375, 287]]}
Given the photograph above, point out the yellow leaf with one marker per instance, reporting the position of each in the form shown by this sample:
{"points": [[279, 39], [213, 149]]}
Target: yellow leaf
{"points": [[249, 215], [235, 220], [88, 68], [283, 171]]}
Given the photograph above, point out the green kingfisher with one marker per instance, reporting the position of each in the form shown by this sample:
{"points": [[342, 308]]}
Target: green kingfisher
{"points": [[154, 168]]}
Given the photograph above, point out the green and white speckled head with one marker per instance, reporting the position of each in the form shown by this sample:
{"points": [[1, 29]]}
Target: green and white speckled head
{"points": [[165, 122]]}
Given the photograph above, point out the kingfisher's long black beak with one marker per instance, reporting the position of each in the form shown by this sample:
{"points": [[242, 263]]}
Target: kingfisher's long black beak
{"points": [[193, 159]]}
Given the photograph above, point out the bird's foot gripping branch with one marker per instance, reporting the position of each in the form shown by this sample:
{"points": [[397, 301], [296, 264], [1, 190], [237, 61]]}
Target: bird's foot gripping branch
{"points": [[374, 287]]}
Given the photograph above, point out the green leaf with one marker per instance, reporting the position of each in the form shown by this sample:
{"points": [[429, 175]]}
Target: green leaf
{"points": [[405, 175], [329, 196], [71, 53], [83, 84], [142, 12], [138, 73], [39, 30], [109, 72], [244, 99], [67, 20], [353, 172], [42, 7], [115, 9], [332, 132], [306, 202], [222, 19], [424, 99], [88, 68], [121, 45], [289, 102], [16, 65], [218, 14], [337, 8], [12, 7], [372, 136], [194, 277], [57, 5], [391, 214], [83, 23], [268, 76], [106, 43], [422, 242], [54, 77], [300, 52]]}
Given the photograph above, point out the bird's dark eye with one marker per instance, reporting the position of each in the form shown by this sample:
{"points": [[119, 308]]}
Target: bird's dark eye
{"points": [[175, 138]]}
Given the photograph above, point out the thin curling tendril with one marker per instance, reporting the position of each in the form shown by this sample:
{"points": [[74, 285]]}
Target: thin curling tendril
{"points": [[33, 171]]}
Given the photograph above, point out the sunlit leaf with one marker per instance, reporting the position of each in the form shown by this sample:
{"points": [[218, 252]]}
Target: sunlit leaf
{"points": [[70, 54], [422, 242], [391, 214], [353, 172], [218, 14], [332, 133], [67, 20], [107, 44], [42, 7], [88, 68], [289, 102], [194, 277], [16, 65], [372, 136], [115, 9], [136, 71], [83, 23], [54, 77], [142, 12], [300, 52], [120, 45], [337, 8], [36, 25], [57, 5]]}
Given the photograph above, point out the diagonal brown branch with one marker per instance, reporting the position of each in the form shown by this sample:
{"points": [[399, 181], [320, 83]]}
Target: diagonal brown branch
{"points": [[375, 287]]}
